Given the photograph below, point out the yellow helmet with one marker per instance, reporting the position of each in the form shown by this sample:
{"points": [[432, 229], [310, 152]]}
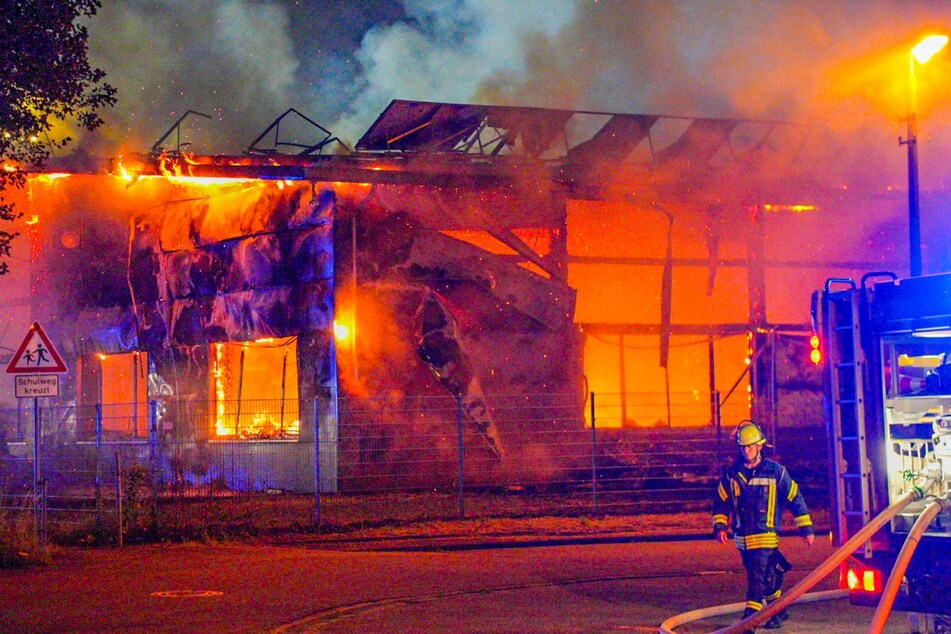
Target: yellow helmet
{"points": [[749, 433]]}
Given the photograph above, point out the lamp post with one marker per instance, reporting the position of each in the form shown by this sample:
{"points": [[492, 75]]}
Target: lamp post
{"points": [[922, 52]]}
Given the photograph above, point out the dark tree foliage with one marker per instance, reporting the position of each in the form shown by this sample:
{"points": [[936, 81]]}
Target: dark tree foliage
{"points": [[45, 77]]}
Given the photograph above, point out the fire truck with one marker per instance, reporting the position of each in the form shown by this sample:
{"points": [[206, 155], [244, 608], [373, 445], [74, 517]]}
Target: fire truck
{"points": [[884, 348]]}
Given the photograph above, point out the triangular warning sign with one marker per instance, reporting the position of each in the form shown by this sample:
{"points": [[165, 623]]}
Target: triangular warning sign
{"points": [[36, 355]]}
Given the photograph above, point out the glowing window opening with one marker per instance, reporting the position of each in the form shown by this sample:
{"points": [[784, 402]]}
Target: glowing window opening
{"points": [[254, 390], [123, 385]]}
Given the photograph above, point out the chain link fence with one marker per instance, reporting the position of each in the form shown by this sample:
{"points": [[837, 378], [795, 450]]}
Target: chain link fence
{"points": [[128, 469]]}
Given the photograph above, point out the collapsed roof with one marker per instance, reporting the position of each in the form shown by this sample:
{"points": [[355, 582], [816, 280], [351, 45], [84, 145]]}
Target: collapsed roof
{"points": [[590, 155]]}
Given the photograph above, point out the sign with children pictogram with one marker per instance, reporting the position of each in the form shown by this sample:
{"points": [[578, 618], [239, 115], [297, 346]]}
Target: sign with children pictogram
{"points": [[36, 355]]}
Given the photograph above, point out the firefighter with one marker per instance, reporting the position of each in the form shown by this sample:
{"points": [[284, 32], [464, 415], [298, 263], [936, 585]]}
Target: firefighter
{"points": [[750, 498]]}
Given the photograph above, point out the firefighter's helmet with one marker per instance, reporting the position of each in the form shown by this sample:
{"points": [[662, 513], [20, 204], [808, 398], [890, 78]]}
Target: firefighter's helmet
{"points": [[749, 433]]}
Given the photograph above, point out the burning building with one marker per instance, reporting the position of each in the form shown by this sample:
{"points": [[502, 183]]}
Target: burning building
{"points": [[458, 251]]}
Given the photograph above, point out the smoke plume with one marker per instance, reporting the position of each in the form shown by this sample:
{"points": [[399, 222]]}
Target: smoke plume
{"points": [[840, 70]]}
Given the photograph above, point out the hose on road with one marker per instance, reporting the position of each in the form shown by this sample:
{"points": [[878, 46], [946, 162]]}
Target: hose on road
{"points": [[901, 563], [667, 627], [823, 570]]}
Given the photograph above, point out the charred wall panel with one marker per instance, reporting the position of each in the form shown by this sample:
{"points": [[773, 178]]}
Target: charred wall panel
{"points": [[238, 261], [438, 316], [258, 268]]}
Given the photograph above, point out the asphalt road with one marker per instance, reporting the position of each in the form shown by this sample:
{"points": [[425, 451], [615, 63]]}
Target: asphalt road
{"points": [[579, 587]]}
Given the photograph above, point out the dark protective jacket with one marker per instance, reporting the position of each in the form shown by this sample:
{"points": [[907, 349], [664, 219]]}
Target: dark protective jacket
{"points": [[754, 500]]}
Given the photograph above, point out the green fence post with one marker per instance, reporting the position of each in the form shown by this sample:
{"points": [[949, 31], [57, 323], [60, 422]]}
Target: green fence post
{"points": [[155, 461], [119, 496], [715, 397], [594, 459], [99, 468], [42, 536], [462, 459], [37, 453], [316, 462]]}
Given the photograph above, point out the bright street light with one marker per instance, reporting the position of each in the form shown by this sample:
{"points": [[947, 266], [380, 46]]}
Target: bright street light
{"points": [[922, 52], [926, 48]]}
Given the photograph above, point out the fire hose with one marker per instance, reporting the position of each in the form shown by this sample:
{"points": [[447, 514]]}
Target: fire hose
{"points": [[705, 613], [901, 563], [814, 577]]}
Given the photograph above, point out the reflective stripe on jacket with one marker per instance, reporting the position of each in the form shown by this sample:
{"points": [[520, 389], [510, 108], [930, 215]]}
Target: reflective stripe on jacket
{"points": [[755, 500]]}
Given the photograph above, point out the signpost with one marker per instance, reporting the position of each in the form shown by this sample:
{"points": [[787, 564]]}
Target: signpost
{"points": [[37, 366]]}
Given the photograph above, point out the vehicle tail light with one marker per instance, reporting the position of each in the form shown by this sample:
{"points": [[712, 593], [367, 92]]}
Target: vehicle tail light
{"points": [[856, 576]]}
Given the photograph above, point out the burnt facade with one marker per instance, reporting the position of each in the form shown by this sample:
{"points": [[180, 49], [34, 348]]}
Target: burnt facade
{"points": [[460, 251]]}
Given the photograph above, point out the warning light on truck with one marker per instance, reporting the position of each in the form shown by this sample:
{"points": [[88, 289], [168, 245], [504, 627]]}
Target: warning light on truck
{"points": [[815, 354]]}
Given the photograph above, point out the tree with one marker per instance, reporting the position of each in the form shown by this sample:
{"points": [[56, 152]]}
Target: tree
{"points": [[45, 80]]}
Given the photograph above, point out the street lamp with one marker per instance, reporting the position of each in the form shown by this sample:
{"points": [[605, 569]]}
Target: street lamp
{"points": [[921, 53]]}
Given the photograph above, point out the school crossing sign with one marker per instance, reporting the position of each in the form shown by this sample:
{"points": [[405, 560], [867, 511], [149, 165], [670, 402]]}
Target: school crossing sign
{"points": [[37, 363], [36, 355]]}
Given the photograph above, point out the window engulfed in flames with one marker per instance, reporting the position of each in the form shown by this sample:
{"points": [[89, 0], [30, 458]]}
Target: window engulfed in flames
{"points": [[254, 390]]}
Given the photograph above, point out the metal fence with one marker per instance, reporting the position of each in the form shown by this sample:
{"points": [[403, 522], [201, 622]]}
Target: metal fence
{"points": [[386, 459]]}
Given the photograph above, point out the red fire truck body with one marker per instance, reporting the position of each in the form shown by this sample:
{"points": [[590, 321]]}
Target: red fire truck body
{"points": [[886, 363]]}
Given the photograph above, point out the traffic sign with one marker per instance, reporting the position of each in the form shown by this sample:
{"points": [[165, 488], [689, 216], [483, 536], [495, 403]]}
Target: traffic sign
{"points": [[36, 355], [36, 385]]}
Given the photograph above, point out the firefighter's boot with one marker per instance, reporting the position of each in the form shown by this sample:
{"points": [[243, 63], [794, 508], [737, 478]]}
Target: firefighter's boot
{"points": [[748, 612], [777, 620]]}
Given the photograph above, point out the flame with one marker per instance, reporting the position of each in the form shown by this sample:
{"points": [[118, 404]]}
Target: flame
{"points": [[798, 209], [179, 169], [341, 331], [128, 169], [218, 373], [48, 178], [263, 427], [286, 182], [169, 169], [177, 172], [209, 180]]}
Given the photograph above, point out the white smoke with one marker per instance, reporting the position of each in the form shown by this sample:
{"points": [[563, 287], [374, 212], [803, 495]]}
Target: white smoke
{"points": [[444, 51], [230, 59], [237, 61], [837, 68]]}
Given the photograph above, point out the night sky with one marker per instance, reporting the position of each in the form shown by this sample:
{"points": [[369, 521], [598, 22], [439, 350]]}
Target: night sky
{"points": [[839, 68]]}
